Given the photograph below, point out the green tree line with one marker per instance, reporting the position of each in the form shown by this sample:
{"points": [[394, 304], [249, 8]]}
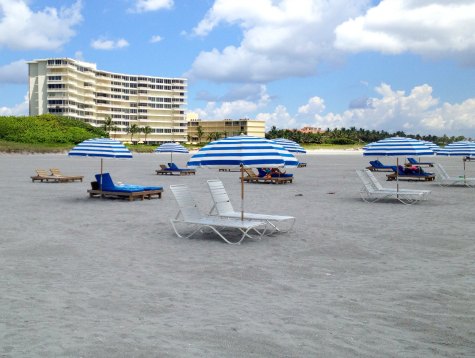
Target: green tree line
{"points": [[353, 136], [46, 128]]}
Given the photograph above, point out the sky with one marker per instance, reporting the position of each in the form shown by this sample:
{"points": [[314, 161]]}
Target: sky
{"points": [[386, 65]]}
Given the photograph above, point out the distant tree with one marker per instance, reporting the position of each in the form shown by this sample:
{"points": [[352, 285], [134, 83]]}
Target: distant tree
{"points": [[107, 125], [146, 131], [214, 136], [133, 129], [353, 135], [200, 132], [114, 129]]}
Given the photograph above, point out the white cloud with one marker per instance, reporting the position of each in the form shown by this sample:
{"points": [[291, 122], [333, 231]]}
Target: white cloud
{"points": [[280, 38], [104, 44], [255, 98], [314, 105], [151, 5], [156, 38], [48, 29], [227, 110], [280, 118], [17, 110], [428, 28], [414, 112], [15, 72]]}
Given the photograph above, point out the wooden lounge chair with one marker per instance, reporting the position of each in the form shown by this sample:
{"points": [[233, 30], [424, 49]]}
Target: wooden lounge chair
{"points": [[414, 176], [182, 171], [107, 189], [223, 208], [164, 170], [173, 169], [274, 174], [43, 176], [252, 177], [412, 161], [373, 191], [189, 214], [57, 173], [377, 166]]}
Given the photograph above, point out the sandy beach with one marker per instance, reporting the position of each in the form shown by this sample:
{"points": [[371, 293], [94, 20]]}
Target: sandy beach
{"points": [[82, 277]]}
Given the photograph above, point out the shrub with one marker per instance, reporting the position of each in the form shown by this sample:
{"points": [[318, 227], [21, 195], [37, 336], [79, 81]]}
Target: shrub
{"points": [[47, 128]]}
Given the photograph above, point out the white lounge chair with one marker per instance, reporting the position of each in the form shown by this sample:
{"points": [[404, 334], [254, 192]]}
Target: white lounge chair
{"points": [[378, 186], [442, 177], [223, 208], [190, 214], [373, 191]]}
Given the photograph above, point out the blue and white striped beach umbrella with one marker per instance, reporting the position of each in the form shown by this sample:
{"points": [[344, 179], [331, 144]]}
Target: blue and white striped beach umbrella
{"points": [[101, 147], [290, 145], [464, 149], [171, 148], [397, 147], [435, 148], [248, 151], [242, 152]]}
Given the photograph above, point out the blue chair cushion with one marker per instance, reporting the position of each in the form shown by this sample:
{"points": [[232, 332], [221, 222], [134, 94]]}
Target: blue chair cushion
{"points": [[262, 173], [108, 185], [174, 167], [283, 175]]}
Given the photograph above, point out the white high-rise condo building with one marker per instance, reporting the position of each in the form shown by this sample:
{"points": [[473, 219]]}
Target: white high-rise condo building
{"points": [[76, 89]]}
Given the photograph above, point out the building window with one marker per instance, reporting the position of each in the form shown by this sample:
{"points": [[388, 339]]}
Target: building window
{"points": [[54, 86]]}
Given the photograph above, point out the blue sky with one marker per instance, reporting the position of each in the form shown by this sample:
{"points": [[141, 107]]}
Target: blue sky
{"points": [[391, 64]]}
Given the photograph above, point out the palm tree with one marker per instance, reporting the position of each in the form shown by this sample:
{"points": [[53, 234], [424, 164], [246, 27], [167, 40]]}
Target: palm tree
{"points": [[210, 136], [107, 125], [132, 130], [114, 129], [200, 132], [146, 130]]}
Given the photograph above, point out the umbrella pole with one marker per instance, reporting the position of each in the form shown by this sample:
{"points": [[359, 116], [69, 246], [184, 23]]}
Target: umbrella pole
{"points": [[171, 157], [464, 176], [100, 186], [242, 192], [397, 174]]}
